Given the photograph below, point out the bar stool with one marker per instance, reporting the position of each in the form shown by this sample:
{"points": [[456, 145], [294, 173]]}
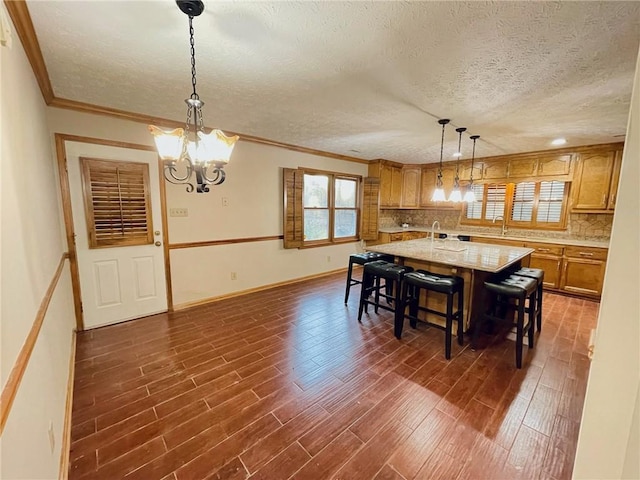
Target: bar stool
{"points": [[448, 285], [519, 289], [393, 275], [538, 274], [361, 259]]}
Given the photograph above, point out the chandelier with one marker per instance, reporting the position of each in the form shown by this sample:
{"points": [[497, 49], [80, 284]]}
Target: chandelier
{"points": [[207, 153]]}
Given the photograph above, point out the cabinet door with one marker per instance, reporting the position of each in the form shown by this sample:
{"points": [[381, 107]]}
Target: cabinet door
{"points": [[390, 186], [448, 178], [427, 186], [554, 165], [396, 237], [552, 266], [523, 167], [583, 276], [593, 182], [411, 187], [495, 169], [465, 171], [615, 177]]}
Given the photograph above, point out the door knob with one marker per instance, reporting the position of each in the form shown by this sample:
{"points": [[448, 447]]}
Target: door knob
{"points": [[158, 244]]}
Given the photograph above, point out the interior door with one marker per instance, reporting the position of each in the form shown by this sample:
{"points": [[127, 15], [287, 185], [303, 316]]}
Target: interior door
{"points": [[117, 282]]}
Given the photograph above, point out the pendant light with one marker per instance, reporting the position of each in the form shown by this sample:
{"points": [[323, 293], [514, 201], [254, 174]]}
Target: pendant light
{"points": [[208, 153], [456, 195], [438, 193], [469, 196]]}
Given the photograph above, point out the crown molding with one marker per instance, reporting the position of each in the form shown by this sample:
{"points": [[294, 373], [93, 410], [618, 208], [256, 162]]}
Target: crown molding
{"points": [[19, 13]]}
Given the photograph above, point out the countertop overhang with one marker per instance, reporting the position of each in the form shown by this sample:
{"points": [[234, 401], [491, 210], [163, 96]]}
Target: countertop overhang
{"points": [[475, 256]]}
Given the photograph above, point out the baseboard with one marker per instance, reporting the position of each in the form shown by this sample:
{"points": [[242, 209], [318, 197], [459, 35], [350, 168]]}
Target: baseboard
{"points": [[205, 301], [66, 429]]}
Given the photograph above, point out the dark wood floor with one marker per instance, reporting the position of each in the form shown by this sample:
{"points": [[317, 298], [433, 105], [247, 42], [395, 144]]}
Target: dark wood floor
{"points": [[286, 384]]}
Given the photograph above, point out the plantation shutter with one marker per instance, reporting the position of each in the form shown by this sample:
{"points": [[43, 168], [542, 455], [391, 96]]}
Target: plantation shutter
{"points": [[117, 203], [524, 195], [474, 209], [369, 222], [496, 195], [293, 212], [550, 202]]}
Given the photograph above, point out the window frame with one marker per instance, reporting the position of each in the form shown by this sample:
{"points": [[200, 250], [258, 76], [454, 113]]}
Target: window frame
{"points": [[509, 203], [333, 176]]}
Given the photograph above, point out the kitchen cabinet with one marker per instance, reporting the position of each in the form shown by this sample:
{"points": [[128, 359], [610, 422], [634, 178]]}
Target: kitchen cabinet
{"points": [[495, 169], [390, 185], [465, 171], [411, 186], [428, 185], [570, 269], [548, 258], [384, 237], [596, 182], [522, 167], [554, 165], [583, 270]]}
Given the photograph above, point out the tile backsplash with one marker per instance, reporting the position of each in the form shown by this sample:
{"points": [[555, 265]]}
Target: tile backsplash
{"points": [[580, 226]]}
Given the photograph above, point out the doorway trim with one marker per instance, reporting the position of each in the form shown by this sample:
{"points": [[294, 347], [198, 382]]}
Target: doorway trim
{"points": [[65, 195]]}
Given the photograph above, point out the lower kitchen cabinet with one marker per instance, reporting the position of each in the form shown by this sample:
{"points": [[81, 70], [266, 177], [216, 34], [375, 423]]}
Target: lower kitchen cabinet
{"points": [[548, 258], [400, 236], [583, 270]]}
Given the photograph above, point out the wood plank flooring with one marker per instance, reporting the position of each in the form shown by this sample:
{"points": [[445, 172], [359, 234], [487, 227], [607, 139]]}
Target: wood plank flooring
{"points": [[286, 383]]}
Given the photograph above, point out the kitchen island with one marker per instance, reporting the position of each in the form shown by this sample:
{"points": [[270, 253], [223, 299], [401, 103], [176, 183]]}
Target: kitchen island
{"points": [[474, 262]]}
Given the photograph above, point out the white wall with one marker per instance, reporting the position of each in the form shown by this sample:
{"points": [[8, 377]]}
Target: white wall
{"points": [[608, 429], [32, 246], [253, 188]]}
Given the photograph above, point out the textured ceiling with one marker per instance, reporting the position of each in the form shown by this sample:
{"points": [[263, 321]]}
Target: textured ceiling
{"points": [[365, 79]]}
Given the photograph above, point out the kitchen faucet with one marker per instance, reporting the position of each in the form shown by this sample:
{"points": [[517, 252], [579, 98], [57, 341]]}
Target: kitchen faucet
{"points": [[433, 231], [504, 225]]}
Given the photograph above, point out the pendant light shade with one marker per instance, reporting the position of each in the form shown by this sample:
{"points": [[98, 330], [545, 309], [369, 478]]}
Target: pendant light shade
{"points": [[469, 196], [438, 193], [456, 195]]}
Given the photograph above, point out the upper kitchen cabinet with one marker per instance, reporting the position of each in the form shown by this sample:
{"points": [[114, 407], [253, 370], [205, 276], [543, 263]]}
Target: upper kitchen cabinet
{"points": [[390, 175], [529, 166], [428, 185], [411, 186], [554, 165], [596, 181], [465, 171]]}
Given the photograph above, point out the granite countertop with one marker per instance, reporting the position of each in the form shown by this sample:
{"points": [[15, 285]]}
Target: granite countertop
{"points": [[475, 256], [488, 236]]}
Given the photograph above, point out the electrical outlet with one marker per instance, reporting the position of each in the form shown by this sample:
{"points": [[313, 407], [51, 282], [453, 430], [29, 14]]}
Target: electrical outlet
{"points": [[225, 202], [178, 212], [234, 276], [52, 436]]}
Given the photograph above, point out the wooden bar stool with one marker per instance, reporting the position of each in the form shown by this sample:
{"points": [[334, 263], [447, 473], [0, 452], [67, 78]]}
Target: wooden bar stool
{"points": [[448, 285], [538, 274], [361, 259], [507, 289], [393, 274]]}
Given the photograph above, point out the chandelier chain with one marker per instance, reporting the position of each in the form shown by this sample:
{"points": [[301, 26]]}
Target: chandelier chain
{"points": [[192, 42]]}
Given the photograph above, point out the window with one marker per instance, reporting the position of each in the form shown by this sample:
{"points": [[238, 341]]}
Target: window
{"points": [[324, 207], [489, 204], [330, 207], [538, 204], [117, 203], [525, 204]]}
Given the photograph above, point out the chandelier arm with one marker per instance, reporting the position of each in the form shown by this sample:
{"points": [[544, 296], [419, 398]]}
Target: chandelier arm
{"points": [[217, 179], [170, 176]]}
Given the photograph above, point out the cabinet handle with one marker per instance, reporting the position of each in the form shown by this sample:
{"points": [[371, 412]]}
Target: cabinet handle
{"points": [[604, 199], [585, 254], [613, 199], [543, 249]]}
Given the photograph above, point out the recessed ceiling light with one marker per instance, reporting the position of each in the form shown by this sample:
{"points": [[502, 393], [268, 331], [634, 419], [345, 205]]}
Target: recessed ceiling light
{"points": [[559, 141]]}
